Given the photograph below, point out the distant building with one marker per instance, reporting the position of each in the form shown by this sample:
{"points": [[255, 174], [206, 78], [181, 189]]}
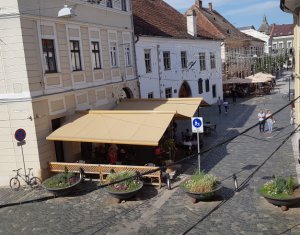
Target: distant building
{"points": [[264, 27], [238, 49], [176, 57], [282, 37], [250, 30]]}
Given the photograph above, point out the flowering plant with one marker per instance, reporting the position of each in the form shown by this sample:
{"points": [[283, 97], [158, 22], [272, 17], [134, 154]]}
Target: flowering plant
{"points": [[279, 188], [62, 180], [127, 185], [200, 182]]}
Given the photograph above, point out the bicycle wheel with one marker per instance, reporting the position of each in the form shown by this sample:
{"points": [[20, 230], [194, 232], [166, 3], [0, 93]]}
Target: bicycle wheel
{"points": [[35, 182], [14, 183]]}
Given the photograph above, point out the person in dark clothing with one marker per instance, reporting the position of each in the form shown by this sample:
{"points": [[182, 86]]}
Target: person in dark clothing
{"points": [[233, 94]]}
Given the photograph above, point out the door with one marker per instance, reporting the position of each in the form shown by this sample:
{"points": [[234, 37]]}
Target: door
{"points": [[59, 148]]}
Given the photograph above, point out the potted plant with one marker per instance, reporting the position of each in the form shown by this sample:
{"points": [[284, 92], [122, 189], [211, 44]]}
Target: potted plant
{"points": [[125, 189], [201, 186], [63, 183], [280, 191]]}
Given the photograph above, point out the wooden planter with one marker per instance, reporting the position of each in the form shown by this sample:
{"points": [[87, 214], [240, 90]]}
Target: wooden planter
{"points": [[123, 195], [203, 196]]}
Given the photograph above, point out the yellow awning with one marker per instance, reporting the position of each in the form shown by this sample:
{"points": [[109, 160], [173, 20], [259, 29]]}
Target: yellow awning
{"points": [[119, 127], [184, 107]]}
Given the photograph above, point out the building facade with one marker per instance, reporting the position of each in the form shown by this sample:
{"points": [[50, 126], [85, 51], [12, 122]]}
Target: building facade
{"points": [[175, 60], [292, 7], [57, 59], [238, 49], [251, 31]]}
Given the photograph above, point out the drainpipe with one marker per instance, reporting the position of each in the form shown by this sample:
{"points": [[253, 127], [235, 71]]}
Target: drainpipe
{"points": [[158, 69]]}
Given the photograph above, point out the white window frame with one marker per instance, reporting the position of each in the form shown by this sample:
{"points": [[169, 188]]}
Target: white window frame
{"points": [[167, 64], [202, 67], [117, 60], [212, 58], [69, 38], [100, 47], [52, 37], [287, 44], [150, 60], [127, 45]]}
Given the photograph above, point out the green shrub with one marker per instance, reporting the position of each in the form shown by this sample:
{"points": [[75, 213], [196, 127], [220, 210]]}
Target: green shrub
{"points": [[200, 182], [61, 180], [124, 186], [279, 188]]}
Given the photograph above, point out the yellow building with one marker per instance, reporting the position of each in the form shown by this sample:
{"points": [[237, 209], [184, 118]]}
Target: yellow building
{"points": [[293, 7], [57, 57]]}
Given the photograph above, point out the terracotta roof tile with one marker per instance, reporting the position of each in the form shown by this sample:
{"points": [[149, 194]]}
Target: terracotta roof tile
{"points": [[282, 30], [157, 18]]}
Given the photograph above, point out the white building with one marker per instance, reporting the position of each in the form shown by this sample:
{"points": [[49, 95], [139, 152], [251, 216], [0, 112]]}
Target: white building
{"points": [[250, 30], [53, 63], [175, 60]]}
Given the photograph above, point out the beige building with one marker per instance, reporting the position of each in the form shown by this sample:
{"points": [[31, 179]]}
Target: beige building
{"points": [[293, 7], [55, 60]]}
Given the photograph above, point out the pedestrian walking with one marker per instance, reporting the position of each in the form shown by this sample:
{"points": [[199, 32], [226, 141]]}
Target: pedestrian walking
{"points": [[292, 116], [220, 103], [226, 106], [261, 116], [270, 120], [233, 94]]}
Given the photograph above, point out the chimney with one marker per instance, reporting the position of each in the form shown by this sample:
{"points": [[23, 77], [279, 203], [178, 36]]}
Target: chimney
{"points": [[210, 6], [198, 3], [191, 23]]}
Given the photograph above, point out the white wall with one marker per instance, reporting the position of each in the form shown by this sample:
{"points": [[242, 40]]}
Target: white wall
{"points": [[150, 82], [261, 36]]}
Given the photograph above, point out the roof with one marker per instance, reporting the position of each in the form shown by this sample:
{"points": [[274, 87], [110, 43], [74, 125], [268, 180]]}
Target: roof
{"points": [[157, 18], [118, 127], [246, 27], [217, 25], [184, 107], [282, 30], [264, 27]]}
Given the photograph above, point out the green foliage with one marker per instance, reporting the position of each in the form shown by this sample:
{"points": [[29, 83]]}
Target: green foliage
{"points": [[200, 182], [124, 186], [61, 180], [279, 188]]}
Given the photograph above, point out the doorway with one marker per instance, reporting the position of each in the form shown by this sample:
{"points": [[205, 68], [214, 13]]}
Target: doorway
{"points": [[59, 148]]}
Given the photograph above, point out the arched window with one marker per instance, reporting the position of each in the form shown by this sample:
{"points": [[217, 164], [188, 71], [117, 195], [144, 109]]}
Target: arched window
{"points": [[207, 85], [200, 86]]}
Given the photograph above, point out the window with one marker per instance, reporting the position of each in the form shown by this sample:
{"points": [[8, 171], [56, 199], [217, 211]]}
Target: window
{"points": [[167, 62], [150, 95], [274, 46], [124, 6], [127, 54], [289, 44], [214, 91], [75, 55], [183, 60], [168, 92], [207, 85], [109, 3], [202, 61], [212, 60], [96, 55], [200, 86], [147, 53], [49, 56], [113, 54], [280, 45]]}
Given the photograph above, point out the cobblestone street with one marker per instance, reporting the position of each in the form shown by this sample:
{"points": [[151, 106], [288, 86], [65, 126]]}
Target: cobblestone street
{"points": [[162, 211]]}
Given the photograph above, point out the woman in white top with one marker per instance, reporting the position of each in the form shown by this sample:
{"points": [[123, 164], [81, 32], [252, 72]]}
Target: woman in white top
{"points": [[261, 116]]}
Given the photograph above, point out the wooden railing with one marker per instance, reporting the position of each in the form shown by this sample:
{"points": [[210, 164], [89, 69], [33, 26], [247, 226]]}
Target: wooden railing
{"points": [[103, 170]]}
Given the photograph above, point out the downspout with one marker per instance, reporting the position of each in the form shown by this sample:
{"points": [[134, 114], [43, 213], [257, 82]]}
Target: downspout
{"points": [[134, 51], [158, 69]]}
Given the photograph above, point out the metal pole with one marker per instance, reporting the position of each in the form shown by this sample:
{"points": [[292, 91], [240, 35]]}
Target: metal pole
{"points": [[289, 88], [23, 159], [198, 152]]}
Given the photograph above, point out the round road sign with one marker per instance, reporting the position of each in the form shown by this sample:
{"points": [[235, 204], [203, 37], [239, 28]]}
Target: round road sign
{"points": [[20, 134]]}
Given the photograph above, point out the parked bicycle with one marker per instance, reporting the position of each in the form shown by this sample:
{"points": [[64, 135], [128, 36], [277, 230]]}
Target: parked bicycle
{"points": [[29, 179]]}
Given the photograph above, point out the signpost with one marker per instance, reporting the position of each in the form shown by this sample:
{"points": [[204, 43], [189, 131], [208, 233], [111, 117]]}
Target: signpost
{"points": [[20, 136], [197, 127]]}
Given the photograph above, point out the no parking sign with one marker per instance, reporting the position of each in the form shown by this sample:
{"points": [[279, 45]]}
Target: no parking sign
{"points": [[197, 125]]}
